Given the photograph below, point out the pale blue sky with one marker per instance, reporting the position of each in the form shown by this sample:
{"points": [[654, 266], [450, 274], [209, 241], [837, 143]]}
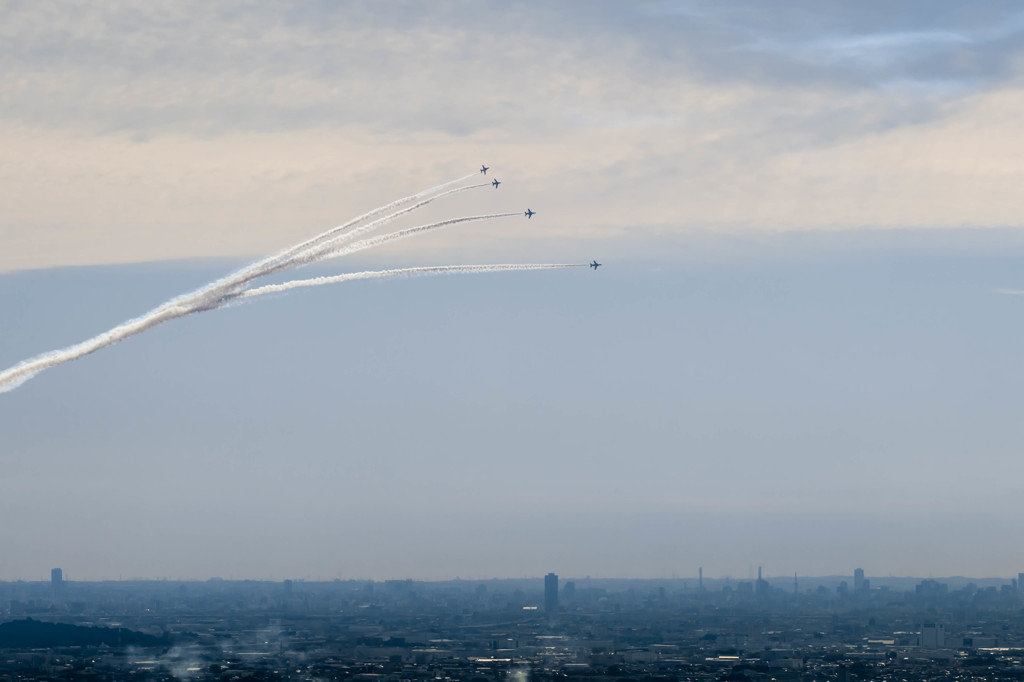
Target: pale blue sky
{"points": [[794, 355], [804, 403]]}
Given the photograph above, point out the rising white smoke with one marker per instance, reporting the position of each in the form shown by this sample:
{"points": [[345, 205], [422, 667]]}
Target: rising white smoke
{"points": [[23, 371], [330, 244], [288, 257], [330, 249], [291, 251], [521, 673], [299, 254], [400, 272], [206, 298], [308, 251]]}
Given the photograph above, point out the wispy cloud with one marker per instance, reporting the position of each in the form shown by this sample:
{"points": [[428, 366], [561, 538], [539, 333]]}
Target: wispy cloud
{"points": [[872, 48], [205, 129]]}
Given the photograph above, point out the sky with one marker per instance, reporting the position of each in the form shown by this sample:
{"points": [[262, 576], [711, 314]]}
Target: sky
{"points": [[802, 350]]}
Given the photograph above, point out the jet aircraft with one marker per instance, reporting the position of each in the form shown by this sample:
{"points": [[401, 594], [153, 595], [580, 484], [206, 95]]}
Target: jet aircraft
{"points": [[528, 213], [483, 169], [595, 265], [495, 183]]}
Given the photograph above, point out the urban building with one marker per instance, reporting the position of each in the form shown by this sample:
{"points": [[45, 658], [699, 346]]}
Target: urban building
{"points": [[933, 636], [551, 593]]}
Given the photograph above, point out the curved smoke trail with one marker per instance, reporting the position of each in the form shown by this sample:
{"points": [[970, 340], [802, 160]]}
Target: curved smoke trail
{"points": [[23, 371], [282, 259], [294, 256], [330, 250], [400, 272], [292, 250], [206, 298]]}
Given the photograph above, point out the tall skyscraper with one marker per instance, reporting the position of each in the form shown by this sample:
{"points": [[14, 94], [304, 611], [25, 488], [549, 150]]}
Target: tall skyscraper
{"points": [[551, 593], [858, 579], [56, 578]]}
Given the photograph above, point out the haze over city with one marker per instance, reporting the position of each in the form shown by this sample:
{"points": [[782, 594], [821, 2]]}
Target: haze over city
{"points": [[801, 350]]}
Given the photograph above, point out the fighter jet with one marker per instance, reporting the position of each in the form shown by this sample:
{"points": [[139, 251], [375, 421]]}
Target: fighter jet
{"points": [[483, 169], [595, 265], [495, 183], [528, 214]]}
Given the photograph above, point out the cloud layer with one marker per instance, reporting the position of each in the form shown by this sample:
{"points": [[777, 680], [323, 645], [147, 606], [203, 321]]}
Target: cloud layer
{"points": [[141, 132]]}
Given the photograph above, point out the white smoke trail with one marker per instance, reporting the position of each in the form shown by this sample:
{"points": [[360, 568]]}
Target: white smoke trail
{"points": [[208, 296], [204, 298], [280, 260], [296, 255], [401, 272], [331, 250], [366, 216], [23, 371]]}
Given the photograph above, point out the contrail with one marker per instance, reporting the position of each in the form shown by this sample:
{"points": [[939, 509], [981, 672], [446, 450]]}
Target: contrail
{"points": [[23, 371], [333, 243], [296, 254], [399, 272], [278, 261], [369, 214], [329, 250], [204, 298]]}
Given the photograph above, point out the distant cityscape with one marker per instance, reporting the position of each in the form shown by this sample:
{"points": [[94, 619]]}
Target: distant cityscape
{"points": [[545, 629]]}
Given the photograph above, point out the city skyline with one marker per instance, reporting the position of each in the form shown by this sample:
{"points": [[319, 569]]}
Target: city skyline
{"points": [[554, 587], [603, 631]]}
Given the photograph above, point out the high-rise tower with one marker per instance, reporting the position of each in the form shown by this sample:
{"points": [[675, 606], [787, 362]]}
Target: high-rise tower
{"points": [[551, 593]]}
